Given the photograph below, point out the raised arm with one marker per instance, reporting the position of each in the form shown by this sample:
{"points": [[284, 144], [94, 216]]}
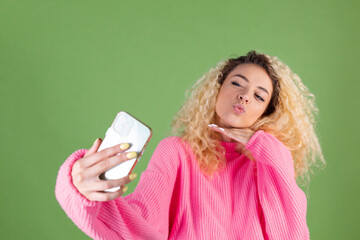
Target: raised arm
{"points": [[141, 215], [283, 203]]}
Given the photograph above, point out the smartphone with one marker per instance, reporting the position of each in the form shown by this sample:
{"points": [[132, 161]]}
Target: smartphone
{"points": [[125, 129]]}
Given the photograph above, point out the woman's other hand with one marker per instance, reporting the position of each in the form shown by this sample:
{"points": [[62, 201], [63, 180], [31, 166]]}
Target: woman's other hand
{"points": [[240, 135], [87, 170]]}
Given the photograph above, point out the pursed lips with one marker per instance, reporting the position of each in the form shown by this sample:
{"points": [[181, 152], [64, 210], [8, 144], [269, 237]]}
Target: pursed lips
{"points": [[239, 108]]}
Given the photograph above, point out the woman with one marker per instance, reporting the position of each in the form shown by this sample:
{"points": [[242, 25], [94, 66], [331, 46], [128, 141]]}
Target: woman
{"points": [[245, 134]]}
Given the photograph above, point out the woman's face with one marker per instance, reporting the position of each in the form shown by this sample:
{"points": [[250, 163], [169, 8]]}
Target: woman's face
{"points": [[243, 96]]}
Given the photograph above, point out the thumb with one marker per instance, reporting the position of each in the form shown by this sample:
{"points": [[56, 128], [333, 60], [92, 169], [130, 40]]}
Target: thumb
{"points": [[94, 147], [242, 149]]}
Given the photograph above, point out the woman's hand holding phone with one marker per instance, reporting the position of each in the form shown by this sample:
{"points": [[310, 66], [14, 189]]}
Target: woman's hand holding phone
{"points": [[87, 170]]}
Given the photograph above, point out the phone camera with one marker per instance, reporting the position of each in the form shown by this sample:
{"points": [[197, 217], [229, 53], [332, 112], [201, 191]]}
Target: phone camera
{"points": [[123, 124], [118, 126]]}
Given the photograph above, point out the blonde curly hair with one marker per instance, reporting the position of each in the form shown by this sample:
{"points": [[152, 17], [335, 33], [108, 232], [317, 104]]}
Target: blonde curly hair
{"points": [[289, 116]]}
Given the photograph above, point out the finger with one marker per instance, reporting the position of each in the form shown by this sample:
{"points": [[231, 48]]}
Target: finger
{"points": [[241, 131], [241, 135], [240, 147], [103, 154], [106, 196], [237, 132], [224, 131], [94, 147], [231, 135], [108, 163], [109, 184], [216, 128]]}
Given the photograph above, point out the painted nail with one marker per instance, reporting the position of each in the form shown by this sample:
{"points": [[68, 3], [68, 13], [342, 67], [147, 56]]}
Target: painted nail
{"points": [[132, 176], [125, 189], [124, 146], [131, 155], [221, 129]]}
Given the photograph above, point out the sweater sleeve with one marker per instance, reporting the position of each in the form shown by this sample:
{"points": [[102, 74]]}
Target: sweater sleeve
{"points": [[283, 203], [144, 214]]}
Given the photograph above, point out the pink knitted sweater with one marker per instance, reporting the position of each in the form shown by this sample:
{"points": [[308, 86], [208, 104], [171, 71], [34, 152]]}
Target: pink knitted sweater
{"points": [[174, 200]]}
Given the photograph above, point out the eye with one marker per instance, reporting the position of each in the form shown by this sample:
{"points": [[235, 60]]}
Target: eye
{"points": [[236, 83], [260, 98]]}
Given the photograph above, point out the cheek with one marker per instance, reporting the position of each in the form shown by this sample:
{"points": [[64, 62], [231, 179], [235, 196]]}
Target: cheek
{"points": [[219, 101], [218, 106], [259, 110]]}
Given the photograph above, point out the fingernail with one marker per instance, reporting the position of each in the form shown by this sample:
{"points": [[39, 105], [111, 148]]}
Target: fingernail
{"points": [[131, 155], [132, 176], [96, 141], [124, 146], [221, 129], [125, 189]]}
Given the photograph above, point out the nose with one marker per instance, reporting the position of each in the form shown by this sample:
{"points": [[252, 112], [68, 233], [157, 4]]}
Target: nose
{"points": [[244, 98]]}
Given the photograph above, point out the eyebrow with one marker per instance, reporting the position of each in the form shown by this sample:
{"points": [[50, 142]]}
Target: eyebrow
{"points": [[243, 77]]}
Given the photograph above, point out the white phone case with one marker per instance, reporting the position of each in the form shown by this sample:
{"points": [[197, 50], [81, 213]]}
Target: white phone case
{"points": [[125, 129]]}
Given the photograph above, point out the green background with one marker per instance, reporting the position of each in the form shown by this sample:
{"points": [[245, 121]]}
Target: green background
{"points": [[67, 67]]}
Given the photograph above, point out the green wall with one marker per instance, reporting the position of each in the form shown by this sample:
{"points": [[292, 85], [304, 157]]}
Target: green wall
{"points": [[67, 67]]}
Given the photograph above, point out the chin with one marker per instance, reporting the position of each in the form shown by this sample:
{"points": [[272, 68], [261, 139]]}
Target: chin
{"points": [[240, 126], [230, 124]]}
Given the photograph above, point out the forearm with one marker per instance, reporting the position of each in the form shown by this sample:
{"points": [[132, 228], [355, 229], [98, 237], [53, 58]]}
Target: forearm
{"points": [[80, 210], [283, 203], [141, 215]]}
